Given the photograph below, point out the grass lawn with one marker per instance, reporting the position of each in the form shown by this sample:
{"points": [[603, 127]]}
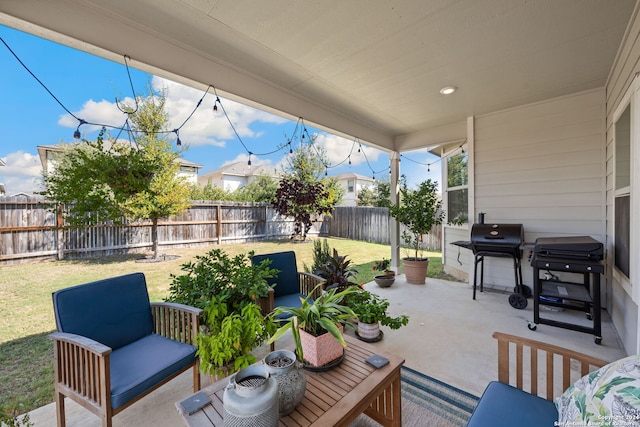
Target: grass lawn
{"points": [[26, 312]]}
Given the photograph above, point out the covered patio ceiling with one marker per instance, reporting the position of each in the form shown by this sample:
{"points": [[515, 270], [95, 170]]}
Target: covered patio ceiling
{"points": [[370, 69]]}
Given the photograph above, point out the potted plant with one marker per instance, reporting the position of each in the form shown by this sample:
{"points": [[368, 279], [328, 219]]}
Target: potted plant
{"points": [[231, 291], [372, 311], [317, 326], [229, 334], [386, 277], [418, 210]]}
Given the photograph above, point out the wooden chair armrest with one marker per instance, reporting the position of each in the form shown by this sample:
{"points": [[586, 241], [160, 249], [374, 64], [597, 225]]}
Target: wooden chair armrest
{"points": [[82, 369], [83, 343], [547, 362], [176, 321], [308, 281]]}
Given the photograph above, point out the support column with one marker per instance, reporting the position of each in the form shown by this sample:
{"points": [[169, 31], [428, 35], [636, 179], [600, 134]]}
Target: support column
{"points": [[394, 226]]}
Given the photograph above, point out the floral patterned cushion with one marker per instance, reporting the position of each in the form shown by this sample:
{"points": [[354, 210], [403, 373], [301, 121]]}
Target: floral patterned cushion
{"points": [[609, 396]]}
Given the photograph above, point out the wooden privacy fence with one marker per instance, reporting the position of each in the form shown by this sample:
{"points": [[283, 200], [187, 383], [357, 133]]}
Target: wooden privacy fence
{"points": [[371, 224], [30, 230]]}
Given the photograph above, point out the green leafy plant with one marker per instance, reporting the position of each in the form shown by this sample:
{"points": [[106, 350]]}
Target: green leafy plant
{"points": [[381, 266], [337, 271], [419, 210], [321, 253], [215, 273], [228, 289], [317, 317], [230, 334], [372, 308]]}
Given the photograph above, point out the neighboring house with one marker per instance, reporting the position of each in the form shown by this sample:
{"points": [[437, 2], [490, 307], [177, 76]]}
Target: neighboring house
{"points": [[352, 183], [188, 169], [3, 190], [235, 175]]}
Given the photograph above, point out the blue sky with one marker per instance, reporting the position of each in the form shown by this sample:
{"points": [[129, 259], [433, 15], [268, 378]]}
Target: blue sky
{"points": [[88, 87]]}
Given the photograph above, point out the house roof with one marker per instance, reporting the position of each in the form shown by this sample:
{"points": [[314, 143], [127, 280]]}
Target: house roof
{"points": [[42, 153], [370, 69], [242, 168], [353, 175]]}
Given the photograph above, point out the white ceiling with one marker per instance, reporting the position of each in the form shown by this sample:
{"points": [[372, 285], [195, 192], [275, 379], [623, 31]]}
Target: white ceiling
{"points": [[370, 69]]}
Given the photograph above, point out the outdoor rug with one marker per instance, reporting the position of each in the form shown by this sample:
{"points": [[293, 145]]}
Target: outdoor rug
{"points": [[427, 401]]}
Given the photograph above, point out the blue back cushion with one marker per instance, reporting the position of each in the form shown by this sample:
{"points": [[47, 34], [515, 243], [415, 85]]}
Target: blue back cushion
{"points": [[114, 311], [287, 279]]}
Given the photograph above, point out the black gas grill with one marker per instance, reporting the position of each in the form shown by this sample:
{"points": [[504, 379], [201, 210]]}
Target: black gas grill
{"points": [[582, 255], [503, 241]]}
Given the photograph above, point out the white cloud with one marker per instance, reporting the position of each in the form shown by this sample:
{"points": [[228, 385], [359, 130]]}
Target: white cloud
{"points": [[204, 127], [22, 173], [339, 149]]}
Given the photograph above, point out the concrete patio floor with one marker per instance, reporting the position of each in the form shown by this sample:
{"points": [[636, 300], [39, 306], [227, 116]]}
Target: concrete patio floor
{"points": [[448, 338]]}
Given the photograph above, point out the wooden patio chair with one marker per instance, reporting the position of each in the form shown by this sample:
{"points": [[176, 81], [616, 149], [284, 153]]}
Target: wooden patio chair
{"points": [[113, 346]]}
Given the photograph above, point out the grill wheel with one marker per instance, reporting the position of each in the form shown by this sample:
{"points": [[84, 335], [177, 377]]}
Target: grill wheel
{"points": [[518, 301]]}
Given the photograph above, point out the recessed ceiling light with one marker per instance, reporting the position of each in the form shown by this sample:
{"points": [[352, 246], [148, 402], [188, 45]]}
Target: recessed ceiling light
{"points": [[448, 90]]}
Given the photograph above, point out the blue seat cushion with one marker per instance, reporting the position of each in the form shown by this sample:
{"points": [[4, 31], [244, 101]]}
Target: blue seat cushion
{"points": [[502, 405], [139, 366], [286, 281], [115, 311]]}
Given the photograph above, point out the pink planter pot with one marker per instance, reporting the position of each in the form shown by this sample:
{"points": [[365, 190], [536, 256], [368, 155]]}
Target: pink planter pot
{"points": [[319, 351]]}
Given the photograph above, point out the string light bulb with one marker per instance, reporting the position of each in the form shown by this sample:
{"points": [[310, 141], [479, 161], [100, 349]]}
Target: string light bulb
{"points": [[215, 105], [178, 142], [76, 134], [249, 162]]}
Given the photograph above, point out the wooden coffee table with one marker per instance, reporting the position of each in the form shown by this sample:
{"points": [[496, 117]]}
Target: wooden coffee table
{"points": [[333, 398]]}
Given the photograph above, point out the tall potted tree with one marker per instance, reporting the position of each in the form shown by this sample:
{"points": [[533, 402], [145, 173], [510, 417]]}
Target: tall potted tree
{"points": [[418, 210]]}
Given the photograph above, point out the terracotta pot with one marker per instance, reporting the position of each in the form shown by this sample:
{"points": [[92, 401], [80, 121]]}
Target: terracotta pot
{"points": [[416, 270], [319, 351]]}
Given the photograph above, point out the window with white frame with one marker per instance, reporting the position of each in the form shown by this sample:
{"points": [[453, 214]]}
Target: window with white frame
{"points": [[351, 184], [457, 188], [622, 190]]}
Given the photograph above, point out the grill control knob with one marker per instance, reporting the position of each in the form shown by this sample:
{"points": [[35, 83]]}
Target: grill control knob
{"points": [[588, 268], [567, 266], [547, 265]]}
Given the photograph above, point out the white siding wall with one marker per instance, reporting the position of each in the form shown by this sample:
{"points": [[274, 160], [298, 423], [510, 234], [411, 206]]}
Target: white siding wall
{"points": [[622, 307], [540, 165]]}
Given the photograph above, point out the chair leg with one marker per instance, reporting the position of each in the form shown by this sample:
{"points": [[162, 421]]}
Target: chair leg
{"points": [[196, 378], [60, 410], [273, 346]]}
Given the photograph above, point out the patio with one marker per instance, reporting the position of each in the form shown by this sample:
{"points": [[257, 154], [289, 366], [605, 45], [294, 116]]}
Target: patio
{"points": [[448, 338]]}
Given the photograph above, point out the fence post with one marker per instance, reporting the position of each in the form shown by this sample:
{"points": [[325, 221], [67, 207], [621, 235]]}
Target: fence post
{"points": [[219, 223], [60, 233]]}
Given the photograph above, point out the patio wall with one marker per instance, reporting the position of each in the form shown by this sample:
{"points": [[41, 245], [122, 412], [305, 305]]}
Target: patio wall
{"points": [[625, 301], [540, 165]]}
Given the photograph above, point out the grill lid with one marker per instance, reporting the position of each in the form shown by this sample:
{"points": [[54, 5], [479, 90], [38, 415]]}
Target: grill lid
{"points": [[585, 247], [497, 234]]}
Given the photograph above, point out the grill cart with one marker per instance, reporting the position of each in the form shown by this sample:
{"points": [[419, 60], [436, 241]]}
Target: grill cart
{"points": [[581, 255]]}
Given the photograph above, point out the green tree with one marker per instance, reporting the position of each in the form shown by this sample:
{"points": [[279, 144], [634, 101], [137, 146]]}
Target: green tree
{"points": [[209, 192], [377, 196], [111, 180], [261, 190]]}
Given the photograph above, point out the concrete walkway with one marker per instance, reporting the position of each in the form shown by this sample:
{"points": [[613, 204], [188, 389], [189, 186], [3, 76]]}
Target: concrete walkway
{"points": [[448, 338]]}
